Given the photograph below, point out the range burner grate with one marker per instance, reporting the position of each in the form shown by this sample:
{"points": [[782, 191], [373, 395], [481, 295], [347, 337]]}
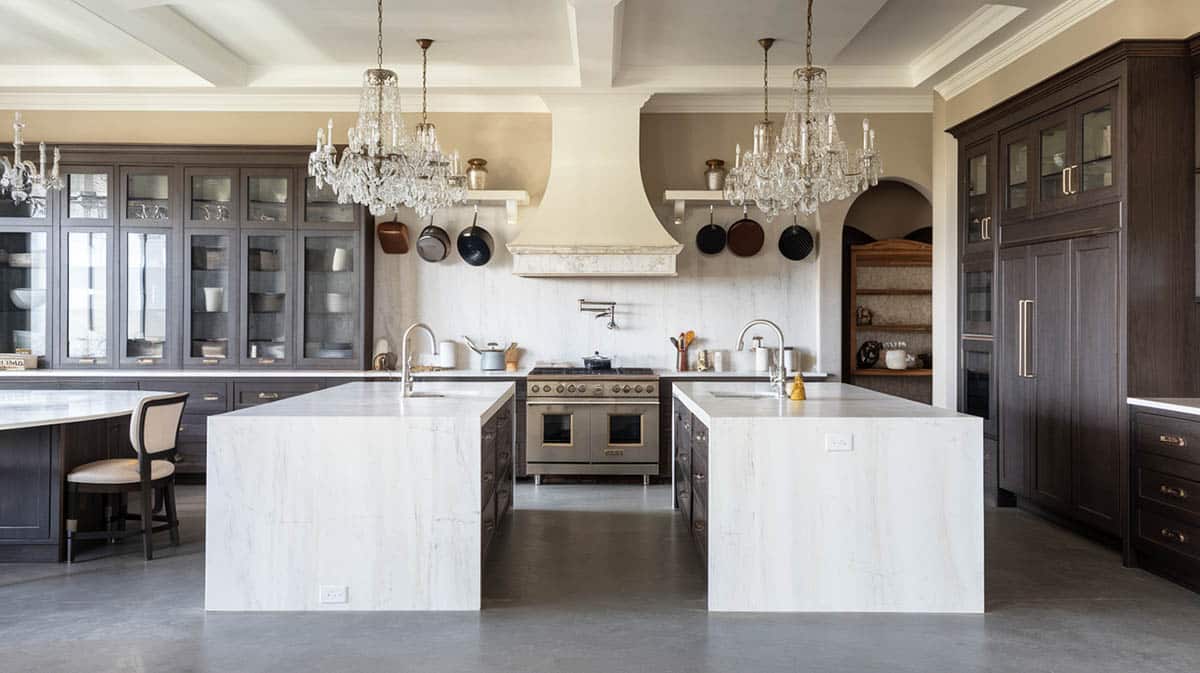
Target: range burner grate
{"points": [[583, 371]]}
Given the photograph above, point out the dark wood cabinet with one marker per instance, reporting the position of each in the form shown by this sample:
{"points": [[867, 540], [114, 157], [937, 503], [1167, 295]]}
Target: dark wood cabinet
{"points": [[496, 451], [148, 281], [690, 450], [1165, 492], [977, 168]]}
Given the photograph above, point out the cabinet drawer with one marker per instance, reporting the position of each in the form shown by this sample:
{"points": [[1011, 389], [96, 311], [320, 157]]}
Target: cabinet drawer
{"points": [[204, 397], [1166, 533], [699, 441], [504, 454], [503, 498], [700, 527], [683, 428], [249, 394], [193, 427], [1164, 489], [700, 477], [190, 455], [487, 525], [1171, 437], [683, 496]]}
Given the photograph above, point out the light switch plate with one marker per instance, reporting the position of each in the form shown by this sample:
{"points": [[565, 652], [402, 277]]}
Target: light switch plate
{"points": [[839, 441], [332, 594]]}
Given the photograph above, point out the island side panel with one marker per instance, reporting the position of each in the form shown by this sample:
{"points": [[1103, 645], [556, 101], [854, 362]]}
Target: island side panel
{"points": [[895, 525], [386, 507]]}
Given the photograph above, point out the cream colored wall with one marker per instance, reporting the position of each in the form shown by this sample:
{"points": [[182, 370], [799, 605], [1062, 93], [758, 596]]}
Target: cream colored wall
{"points": [[1120, 20]]}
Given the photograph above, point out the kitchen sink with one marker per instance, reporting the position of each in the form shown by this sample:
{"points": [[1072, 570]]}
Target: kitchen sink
{"points": [[741, 395]]}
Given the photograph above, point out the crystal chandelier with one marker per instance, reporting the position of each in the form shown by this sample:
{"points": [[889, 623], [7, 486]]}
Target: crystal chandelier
{"points": [[20, 179], [809, 163], [437, 182]]}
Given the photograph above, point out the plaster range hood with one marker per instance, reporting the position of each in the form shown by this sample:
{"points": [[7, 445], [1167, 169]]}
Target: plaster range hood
{"points": [[594, 219]]}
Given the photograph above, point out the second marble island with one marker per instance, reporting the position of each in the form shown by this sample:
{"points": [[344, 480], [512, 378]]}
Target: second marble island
{"points": [[357, 498]]}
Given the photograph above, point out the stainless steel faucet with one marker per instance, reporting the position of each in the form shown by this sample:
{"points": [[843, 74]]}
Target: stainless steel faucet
{"points": [[406, 359], [778, 376]]}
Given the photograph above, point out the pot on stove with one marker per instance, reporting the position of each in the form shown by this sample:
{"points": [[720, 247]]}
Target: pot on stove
{"points": [[597, 361]]}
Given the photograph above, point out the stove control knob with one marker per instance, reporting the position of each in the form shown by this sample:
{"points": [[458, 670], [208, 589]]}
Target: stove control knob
{"points": [[571, 388], [560, 388], [535, 388], [625, 389], [616, 388], [637, 389], [650, 388]]}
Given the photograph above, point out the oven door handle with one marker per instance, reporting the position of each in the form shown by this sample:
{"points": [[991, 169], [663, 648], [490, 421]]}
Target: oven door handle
{"points": [[563, 401]]}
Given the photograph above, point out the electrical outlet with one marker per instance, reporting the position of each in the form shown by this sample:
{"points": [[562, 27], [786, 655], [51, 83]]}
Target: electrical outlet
{"points": [[334, 594], [839, 441]]}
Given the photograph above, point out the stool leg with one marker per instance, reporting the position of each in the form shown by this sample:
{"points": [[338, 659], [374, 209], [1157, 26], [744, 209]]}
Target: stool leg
{"points": [[71, 520], [172, 518], [147, 523]]}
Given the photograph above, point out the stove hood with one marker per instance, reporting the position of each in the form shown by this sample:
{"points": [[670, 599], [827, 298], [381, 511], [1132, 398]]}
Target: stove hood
{"points": [[594, 219]]}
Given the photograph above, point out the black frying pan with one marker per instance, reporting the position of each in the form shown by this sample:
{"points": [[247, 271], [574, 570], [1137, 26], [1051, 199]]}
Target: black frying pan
{"points": [[711, 237], [745, 236], [475, 243], [434, 243], [795, 242]]}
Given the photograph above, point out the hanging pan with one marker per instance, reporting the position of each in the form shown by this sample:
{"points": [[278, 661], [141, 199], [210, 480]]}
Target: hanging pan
{"points": [[711, 237], [795, 242], [393, 237], [745, 236], [475, 243], [433, 243]]}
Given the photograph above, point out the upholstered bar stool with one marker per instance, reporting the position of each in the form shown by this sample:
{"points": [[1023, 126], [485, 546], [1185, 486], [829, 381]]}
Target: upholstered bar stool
{"points": [[152, 431]]}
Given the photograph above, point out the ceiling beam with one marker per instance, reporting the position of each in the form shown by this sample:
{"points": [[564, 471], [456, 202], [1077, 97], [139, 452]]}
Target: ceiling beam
{"points": [[983, 23], [596, 40], [165, 31]]}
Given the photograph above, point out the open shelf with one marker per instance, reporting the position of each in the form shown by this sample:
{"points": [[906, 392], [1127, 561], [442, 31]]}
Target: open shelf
{"points": [[891, 372], [895, 328], [894, 291]]}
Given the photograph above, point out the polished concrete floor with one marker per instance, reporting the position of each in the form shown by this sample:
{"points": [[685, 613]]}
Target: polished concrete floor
{"points": [[601, 578]]}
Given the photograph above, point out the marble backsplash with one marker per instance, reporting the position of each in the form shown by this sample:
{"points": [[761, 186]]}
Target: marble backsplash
{"points": [[714, 296]]}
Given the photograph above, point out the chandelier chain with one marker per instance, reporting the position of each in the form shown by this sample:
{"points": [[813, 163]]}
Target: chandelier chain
{"points": [[766, 49], [379, 24], [808, 61], [424, 79]]}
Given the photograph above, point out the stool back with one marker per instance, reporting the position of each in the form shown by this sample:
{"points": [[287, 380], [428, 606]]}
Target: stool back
{"points": [[155, 423]]}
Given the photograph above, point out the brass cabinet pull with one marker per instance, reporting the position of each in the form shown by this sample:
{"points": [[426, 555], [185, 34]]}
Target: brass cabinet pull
{"points": [[1065, 189], [211, 397], [699, 526], [1180, 493], [700, 437], [209, 362], [87, 361], [1071, 179], [1173, 535], [1174, 440], [699, 476], [266, 361], [614, 452], [488, 476], [683, 457], [268, 396], [145, 361]]}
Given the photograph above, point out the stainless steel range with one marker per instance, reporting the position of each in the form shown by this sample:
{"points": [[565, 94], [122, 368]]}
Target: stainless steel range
{"points": [[592, 421]]}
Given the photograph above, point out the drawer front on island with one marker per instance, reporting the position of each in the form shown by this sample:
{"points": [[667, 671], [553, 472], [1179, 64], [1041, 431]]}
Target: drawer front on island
{"points": [[1165, 485], [251, 393], [1168, 436]]}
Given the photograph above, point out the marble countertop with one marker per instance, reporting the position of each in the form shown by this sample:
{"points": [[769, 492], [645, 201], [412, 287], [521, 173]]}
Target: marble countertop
{"points": [[1180, 405], [382, 399], [825, 400], [34, 408], [672, 374], [520, 373]]}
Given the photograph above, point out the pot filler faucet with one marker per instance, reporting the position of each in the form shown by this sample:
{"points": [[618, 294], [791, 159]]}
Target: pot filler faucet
{"points": [[778, 376], [406, 359]]}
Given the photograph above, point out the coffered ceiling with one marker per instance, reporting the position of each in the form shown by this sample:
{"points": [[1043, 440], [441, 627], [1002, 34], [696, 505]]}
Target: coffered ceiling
{"points": [[502, 54]]}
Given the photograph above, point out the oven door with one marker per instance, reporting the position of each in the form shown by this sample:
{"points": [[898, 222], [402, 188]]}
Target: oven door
{"points": [[556, 432], [625, 432]]}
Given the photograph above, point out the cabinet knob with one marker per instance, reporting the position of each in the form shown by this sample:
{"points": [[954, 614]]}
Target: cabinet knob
{"points": [[1173, 535], [1173, 440], [1180, 493]]}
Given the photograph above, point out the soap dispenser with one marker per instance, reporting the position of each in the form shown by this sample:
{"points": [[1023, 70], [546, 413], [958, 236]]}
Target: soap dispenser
{"points": [[762, 356]]}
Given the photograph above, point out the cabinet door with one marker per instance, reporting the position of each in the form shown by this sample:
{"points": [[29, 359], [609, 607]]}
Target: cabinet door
{"points": [[1016, 168], [85, 331], [88, 197], [26, 300], [328, 324], [149, 272], [267, 197], [976, 293], [319, 207], [1014, 389], [210, 298], [976, 216], [266, 299], [977, 395], [1052, 136], [149, 196], [211, 197], [1051, 365], [1094, 324], [1093, 176]]}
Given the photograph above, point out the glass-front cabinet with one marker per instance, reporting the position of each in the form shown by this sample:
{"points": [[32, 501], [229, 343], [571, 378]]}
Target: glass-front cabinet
{"points": [[1016, 191], [147, 313], [268, 201], [87, 196], [85, 301], [328, 325], [321, 208], [148, 196], [211, 197], [977, 385], [210, 302], [976, 297], [25, 299], [976, 197], [266, 306], [1076, 150]]}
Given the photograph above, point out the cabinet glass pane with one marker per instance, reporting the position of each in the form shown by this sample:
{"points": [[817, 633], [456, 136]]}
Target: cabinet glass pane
{"points": [[23, 292], [330, 299], [148, 197], [977, 372], [32, 206], [212, 198], [267, 199], [977, 297], [266, 296], [977, 196], [320, 204], [146, 283], [1097, 167], [1018, 179], [87, 294], [87, 196], [1053, 160], [210, 318]]}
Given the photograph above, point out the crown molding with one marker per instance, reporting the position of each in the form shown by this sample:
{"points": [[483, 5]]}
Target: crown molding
{"points": [[1037, 33], [243, 100], [842, 102], [983, 23], [718, 78]]}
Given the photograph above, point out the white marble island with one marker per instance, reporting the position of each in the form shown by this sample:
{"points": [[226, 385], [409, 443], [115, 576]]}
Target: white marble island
{"points": [[390, 499], [850, 501]]}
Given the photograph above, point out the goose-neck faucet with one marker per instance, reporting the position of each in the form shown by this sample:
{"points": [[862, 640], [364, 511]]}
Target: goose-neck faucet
{"points": [[778, 376], [406, 360]]}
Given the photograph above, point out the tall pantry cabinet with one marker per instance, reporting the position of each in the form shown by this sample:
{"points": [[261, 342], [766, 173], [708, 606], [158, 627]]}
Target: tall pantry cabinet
{"points": [[1077, 199]]}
